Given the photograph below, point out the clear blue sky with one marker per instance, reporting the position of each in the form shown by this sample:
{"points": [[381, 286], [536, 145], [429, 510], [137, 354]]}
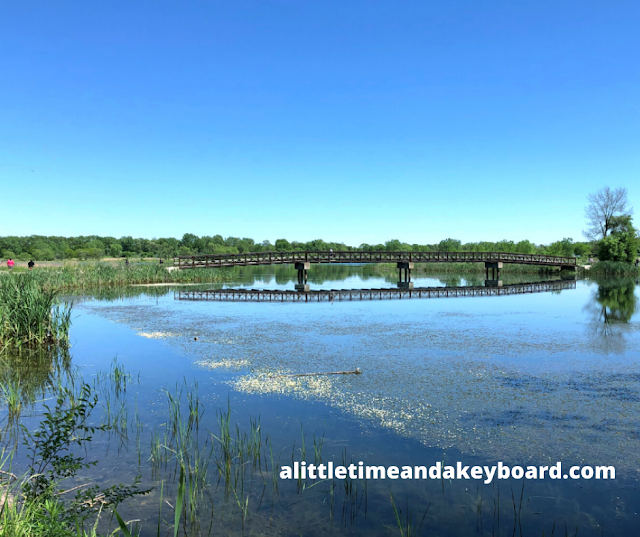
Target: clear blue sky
{"points": [[358, 121]]}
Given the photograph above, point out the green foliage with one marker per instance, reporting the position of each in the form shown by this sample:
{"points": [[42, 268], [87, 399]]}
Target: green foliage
{"points": [[94, 275], [614, 268], [91, 247], [30, 313], [582, 249], [52, 460], [622, 243]]}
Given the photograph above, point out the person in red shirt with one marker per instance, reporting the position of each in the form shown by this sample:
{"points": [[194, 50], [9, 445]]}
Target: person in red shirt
{"points": [[10, 263]]}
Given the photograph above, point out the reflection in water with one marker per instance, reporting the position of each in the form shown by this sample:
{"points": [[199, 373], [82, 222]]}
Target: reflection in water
{"points": [[323, 275], [611, 309], [26, 376], [510, 379], [405, 290], [617, 300]]}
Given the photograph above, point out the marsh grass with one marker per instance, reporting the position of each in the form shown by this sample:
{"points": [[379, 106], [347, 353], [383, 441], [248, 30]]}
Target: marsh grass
{"points": [[407, 527], [96, 275], [30, 313], [613, 268]]}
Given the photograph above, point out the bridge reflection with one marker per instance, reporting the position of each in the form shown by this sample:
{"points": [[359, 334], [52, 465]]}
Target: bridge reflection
{"points": [[494, 288]]}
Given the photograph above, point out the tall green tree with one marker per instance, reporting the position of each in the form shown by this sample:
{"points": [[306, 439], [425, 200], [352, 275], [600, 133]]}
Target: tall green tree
{"points": [[622, 242]]}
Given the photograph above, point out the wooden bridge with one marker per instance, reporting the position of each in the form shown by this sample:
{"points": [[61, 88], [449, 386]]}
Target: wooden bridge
{"points": [[283, 258], [328, 295]]}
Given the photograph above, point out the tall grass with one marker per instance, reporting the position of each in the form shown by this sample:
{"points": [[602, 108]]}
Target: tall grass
{"points": [[30, 313], [613, 268], [69, 277]]}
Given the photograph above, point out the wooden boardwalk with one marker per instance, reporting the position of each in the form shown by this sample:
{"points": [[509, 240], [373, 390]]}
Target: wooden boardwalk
{"points": [[283, 258], [328, 295]]}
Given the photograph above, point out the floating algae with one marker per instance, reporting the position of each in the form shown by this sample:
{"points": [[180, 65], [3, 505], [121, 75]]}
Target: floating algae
{"points": [[222, 364], [512, 379]]}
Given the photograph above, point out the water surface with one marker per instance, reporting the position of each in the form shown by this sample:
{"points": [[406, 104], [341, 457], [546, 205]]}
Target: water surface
{"points": [[529, 380]]}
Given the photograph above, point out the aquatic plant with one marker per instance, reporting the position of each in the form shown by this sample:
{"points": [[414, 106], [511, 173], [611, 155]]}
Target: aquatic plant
{"points": [[614, 268], [36, 506], [30, 313], [96, 275]]}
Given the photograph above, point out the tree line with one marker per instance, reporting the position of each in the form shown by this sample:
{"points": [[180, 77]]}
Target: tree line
{"points": [[46, 248], [610, 232]]}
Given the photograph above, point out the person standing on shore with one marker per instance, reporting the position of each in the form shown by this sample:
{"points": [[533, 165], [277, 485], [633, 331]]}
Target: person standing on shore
{"points": [[10, 263], [31, 264]]}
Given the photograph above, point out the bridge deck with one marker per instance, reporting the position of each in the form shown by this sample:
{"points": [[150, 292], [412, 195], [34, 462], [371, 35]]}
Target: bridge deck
{"points": [[262, 295], [282, 258]]}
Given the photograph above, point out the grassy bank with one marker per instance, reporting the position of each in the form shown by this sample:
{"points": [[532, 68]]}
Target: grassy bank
{"points": [[30, 313], [613, 268], [73, 276]]}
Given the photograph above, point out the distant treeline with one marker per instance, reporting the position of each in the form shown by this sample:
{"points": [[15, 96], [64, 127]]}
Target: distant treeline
{"points": [[94, 247]]}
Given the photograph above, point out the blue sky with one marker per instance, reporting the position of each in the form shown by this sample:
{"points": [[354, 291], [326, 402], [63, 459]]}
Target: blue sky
{"points": [[353, 121]]}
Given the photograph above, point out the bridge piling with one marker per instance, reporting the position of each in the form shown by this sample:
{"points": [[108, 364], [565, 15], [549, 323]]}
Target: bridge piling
{"points": [[302, 268], [407, 266], [495, 267]]}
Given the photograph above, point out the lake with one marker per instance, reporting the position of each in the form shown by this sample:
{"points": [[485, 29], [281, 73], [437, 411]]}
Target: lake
{"points": [[210, 386]]}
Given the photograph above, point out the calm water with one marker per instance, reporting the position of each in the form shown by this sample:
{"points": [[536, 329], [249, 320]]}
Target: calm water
{"points": [[529, 380]]}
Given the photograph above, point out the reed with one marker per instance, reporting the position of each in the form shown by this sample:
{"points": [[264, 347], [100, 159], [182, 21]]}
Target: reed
{"points": [[614, 268], [96, 275], [30, 313]]}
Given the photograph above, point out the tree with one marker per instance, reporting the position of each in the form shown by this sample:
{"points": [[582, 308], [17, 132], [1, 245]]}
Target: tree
{"points": [[450, 245], [115, 249], [604, 205], [282, 245], [622, 243]]}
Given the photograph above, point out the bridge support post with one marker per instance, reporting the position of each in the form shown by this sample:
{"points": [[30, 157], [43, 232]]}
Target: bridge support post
{"points": [[495, 267], [302, 268], [407, 266]]}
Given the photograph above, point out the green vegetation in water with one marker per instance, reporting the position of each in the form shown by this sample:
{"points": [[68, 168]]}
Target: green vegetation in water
{"points": [[34, 505], [228, 481], [614, 268], [30, 313], [95, 275]]}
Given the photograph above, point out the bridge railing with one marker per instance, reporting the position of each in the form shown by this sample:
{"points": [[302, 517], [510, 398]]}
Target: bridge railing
{"points": [[282, 258]]}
